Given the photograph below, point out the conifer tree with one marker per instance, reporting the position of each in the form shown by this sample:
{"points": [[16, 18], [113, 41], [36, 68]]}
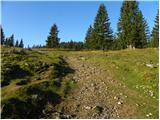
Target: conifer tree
{"points": [[142, 31], [88, 38], [21, 45], [17, 43], [127, 25], [53, 40], [155, 32], [2, 36], [10, 41], [6, 42], [102, 33]]}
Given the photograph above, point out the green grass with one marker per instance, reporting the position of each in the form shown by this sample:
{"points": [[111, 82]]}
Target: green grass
{"points": [[129, 66], [126, 66], [43, 67]]}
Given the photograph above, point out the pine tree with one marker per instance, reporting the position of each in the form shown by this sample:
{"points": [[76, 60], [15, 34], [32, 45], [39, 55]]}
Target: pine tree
{"points": [[102, 33], [88, 38], [142, 31], [155, 32], [2, 36], [6, 42], [53, 40], [21, 45], [10, 41], [17, 43], [127, 25]]}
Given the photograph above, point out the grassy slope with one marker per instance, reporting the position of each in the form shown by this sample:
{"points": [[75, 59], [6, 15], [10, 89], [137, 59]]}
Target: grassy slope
{"points": [[127, 66], [43, 68]]}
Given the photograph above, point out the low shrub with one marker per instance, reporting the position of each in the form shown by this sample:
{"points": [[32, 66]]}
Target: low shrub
{"points": [[22, 82]]}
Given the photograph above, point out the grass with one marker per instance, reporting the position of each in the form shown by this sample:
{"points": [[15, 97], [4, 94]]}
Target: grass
{"points": [[129, 66], [126, 66], [44, 68]]}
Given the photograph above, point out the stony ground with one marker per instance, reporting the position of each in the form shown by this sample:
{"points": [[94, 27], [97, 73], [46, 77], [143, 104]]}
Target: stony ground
{"points": [[94, 96]]}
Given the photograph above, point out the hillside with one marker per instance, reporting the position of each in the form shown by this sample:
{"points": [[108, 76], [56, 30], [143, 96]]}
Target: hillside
{"points": [[48, 83]]}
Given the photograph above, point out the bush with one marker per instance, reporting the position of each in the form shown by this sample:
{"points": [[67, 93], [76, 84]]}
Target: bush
{"points": [[22, 82], [4, 83]]}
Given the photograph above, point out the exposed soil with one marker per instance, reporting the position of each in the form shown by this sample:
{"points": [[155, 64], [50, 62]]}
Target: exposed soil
{"points": [[94, 96]]}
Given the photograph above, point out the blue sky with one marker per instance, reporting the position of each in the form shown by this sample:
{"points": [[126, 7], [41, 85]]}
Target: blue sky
{"points": [[32, 20]]}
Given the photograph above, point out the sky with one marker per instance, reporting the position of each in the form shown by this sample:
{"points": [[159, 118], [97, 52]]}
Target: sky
{"points": [[32, 20]]}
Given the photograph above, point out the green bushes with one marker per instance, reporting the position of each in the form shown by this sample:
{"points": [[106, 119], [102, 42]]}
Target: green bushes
{"points": [[22, 82]]}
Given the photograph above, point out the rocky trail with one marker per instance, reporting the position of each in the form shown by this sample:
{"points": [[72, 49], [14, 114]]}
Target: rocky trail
{"points": [[93, 96]]}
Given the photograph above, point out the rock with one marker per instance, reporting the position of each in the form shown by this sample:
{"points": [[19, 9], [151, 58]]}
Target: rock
{"points": [[147, 115], [137, 104], [150, 114], [151, 65], [87, 107], [115, 98], [82, 58], [119, 103]]}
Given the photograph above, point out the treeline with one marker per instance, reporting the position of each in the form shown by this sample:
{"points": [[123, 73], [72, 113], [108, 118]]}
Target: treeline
{"points": [[53, 41], [9, 41], [132, 31]]}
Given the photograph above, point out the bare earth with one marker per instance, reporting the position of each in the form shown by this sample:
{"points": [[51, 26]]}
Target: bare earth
{"points": [[94, 96]]}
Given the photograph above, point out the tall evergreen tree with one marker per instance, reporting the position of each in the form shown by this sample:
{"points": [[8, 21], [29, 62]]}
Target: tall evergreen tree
{"points": [[10, 41], [53, 40], [2, 36], [155, 32], [132, 27], [102, 33], [21, 45], [6, 42], [17, 43], [88, 38], [142, 31]]}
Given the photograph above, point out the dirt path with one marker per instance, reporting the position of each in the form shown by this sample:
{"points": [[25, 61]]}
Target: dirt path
{"points": [[94, 96]]}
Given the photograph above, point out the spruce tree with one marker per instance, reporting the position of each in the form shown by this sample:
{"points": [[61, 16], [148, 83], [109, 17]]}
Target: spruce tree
{"points": [[21, 45], [142, 31], [102, 33], [88, 38], [53, 40], [155, 32], [10, 41], [17, 43], [6, 42], [127, 25], [2, 36]]}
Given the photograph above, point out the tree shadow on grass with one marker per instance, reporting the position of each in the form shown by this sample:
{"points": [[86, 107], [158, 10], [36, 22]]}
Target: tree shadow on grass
{"points": [[12, 72], [62, 69], [32, 107]]}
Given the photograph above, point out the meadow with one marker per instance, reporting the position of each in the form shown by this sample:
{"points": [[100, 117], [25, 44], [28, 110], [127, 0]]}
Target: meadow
{"points": [[53, 83]]}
